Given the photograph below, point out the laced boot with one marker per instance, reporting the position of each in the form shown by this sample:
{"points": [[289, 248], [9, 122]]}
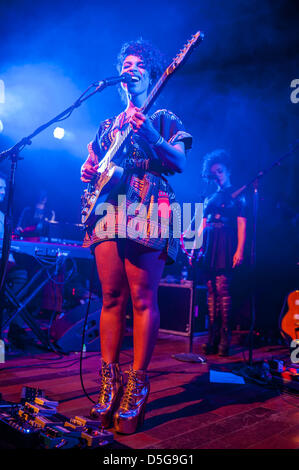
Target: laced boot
{"points": [[211, 347], [109, 395], [131, 411]]}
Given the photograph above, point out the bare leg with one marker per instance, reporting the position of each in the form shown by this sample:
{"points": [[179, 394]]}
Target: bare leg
{"points": [[115, 290], [144, 268]]}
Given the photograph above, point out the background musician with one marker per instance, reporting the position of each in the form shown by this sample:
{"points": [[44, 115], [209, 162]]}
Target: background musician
{"points": [[224, 229], [33, 221]]}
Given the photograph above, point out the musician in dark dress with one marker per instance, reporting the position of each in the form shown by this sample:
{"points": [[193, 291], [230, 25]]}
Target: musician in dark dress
{"points": [[128, 264], [224, 236]]}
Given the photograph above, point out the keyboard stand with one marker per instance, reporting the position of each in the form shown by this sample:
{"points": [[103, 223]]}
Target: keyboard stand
{"points": [[20, 301]]}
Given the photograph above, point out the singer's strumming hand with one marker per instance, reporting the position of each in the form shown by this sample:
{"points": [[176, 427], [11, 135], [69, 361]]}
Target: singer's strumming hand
{"points": [[88, 172], [142, 125]]}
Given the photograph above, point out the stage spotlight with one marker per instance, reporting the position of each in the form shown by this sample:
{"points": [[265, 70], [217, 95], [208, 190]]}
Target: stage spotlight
{"points": [[58, 133]]}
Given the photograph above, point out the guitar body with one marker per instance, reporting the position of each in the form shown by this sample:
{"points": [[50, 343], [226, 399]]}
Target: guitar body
{"points": [[94, 200], [290, 322]]}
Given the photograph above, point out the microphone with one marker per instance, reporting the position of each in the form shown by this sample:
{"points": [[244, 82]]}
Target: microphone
{"points": [[125, 77]]}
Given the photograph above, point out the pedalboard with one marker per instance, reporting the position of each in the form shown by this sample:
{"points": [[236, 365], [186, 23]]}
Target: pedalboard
{"points": [[38, 424]]}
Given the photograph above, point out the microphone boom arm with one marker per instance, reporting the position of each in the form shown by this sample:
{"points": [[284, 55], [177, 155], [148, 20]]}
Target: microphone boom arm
{"points": [[13, 154]]}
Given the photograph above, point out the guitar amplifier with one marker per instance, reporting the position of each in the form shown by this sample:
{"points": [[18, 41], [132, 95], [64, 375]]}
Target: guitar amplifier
{"points": [[176, 308]]}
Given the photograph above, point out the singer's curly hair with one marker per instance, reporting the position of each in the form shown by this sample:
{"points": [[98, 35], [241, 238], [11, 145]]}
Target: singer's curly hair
{"points": [[217, 156], [154, 60]]}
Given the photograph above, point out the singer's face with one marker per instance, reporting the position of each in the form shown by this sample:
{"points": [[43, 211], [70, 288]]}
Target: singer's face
{"points": [[135, 66], [220, 174]]}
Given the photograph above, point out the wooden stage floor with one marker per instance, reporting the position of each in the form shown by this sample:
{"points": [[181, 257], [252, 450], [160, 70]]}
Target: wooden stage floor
{"points": [[185, 410]]}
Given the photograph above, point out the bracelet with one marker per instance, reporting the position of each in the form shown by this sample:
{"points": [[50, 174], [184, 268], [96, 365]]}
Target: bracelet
{"points": [[159, 142]]}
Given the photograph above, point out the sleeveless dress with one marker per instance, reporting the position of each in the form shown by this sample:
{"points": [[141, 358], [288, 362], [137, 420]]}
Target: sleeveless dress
{"points": [[220, 236], [142, 189]]}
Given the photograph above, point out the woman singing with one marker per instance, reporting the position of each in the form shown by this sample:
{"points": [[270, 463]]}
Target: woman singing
{"points": [[128, 265]]}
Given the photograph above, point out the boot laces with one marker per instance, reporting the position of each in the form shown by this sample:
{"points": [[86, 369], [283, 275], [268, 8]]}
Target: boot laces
{"points": [[106, 385], [133, 387]]}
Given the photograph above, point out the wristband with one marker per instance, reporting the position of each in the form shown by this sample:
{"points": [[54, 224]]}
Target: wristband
{"points": [[159, 142]]}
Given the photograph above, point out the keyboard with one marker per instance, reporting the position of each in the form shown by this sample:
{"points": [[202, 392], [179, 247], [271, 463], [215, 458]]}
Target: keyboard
{"points": [[49, 249]]}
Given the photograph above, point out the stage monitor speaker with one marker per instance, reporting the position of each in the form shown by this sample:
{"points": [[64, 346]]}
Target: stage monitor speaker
{"points": [[176, 310], [67, 328]]}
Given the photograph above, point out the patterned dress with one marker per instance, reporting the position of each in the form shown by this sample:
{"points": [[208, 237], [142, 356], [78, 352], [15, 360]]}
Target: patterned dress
{"points": [[142, 189]]}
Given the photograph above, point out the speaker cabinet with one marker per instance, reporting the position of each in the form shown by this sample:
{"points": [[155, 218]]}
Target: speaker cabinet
{"points": [[176, 308], [67, 328]]}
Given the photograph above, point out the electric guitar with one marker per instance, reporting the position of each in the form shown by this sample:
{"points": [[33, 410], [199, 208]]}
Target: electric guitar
{"points": [[290, 321], [109, 174]]}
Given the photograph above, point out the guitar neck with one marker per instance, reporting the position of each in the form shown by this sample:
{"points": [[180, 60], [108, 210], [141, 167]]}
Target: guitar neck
{"points": [[124, 136], [154, 93]]}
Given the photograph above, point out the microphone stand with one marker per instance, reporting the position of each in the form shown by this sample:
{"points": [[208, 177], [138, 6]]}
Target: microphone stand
{"points": [[253, 267], [191, 356], [14, 155]]}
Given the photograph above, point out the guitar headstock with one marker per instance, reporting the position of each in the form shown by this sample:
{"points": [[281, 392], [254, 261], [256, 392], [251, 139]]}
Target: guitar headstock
{"points": [[178, 60], [183, 54]]}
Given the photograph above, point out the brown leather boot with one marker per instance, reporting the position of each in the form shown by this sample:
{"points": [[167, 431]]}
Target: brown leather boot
{"points": [[109, 396], [131, 411]]}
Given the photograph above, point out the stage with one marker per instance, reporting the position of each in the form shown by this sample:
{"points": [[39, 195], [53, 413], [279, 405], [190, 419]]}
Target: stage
{"points": [[185, 409]]}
